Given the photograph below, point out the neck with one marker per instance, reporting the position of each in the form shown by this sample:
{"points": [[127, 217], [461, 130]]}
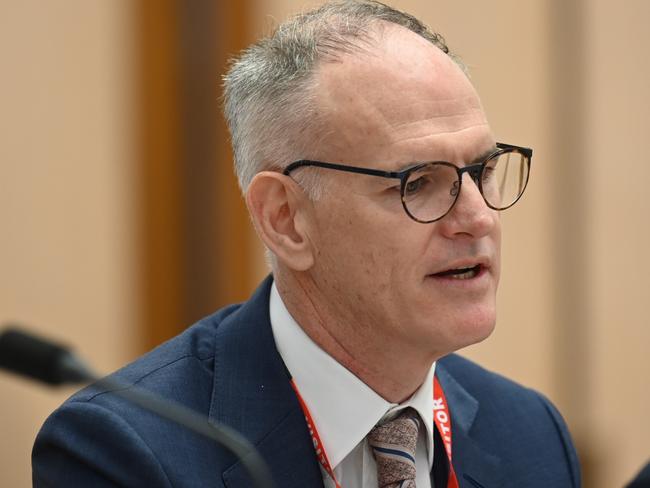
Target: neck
{"points": [[394, 371]]}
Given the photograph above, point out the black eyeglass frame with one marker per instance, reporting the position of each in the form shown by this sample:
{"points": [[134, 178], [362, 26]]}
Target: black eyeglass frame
{"points": [[475, 171]]}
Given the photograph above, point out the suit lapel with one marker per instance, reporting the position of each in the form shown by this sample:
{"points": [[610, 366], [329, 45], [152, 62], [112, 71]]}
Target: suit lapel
{"points": [[252, 394], [474, 467]]}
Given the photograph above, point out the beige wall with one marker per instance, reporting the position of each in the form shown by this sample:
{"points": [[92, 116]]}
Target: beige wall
{"points": [[66, 197], [618, 123], [567, 78]]}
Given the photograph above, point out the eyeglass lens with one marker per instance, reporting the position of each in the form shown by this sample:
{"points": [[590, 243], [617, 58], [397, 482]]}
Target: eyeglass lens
{"points": [[430, 191]]}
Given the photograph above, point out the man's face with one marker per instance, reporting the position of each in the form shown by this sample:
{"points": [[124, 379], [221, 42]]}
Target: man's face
{"points": [[402, 103]]}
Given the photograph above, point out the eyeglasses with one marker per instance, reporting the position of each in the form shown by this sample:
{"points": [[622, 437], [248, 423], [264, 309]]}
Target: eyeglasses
{"points": [[430, 190]]}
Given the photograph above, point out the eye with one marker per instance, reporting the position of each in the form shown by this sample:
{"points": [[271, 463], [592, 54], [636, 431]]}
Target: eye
{"points": [[488, 173], [412, 187]]}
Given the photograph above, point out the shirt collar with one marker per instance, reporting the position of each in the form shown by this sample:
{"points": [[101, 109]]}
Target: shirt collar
{"points": [[344, 409]]}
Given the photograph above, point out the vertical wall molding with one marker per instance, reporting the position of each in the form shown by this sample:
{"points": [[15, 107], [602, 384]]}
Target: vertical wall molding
{"points": [[193, 225], [570, 197]]}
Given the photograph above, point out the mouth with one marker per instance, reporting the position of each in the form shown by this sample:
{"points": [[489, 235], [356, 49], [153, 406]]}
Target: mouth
{"points": [[461, 273]]}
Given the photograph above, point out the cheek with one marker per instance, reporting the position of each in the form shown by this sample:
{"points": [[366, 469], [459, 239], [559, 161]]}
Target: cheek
{"points": [[360, 246], [363, 243]]}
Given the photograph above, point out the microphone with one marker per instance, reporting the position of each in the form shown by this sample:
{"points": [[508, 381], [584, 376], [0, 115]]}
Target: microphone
{"points": [[55, 364], [41, 360]]}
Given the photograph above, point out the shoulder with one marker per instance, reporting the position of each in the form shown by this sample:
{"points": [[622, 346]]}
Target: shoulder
{"points": [[187, 355], [500, 398], [508, 419], [472, 375], [97, 438], [496, 392]]}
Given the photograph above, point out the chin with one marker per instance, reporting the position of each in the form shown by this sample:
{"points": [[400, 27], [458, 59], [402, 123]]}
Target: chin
{"points": [[473, 329], [483, 332], [450, 336]]}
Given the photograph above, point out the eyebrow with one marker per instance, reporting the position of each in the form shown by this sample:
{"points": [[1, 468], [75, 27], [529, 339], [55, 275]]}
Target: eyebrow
{"points": [[476, 160], [485, 155]]}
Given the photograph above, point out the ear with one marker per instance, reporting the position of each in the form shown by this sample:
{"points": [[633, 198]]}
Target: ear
{"points": [[278, 207]]}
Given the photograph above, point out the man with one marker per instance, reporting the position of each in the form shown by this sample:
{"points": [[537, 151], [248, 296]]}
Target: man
{"points": [[372, 176]]}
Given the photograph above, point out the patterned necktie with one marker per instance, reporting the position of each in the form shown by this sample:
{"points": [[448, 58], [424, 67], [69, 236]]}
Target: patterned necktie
{"points": [[393, 445]]}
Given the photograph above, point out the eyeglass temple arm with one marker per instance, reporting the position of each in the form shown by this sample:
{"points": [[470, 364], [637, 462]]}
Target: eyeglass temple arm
{"points": [[526, 151]]}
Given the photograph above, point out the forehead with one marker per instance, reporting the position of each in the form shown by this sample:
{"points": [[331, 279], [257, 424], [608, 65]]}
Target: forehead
{"points": [[402, 92]]}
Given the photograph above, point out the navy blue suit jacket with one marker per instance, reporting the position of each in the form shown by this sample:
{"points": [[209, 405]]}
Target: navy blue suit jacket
{"points": [[227, 367]]}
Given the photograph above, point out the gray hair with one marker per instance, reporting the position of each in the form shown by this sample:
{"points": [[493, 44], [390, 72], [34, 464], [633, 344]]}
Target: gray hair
{"points": [[268, 96]]}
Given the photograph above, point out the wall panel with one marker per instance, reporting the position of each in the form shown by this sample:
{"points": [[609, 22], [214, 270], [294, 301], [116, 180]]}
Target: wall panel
{"points": [[66, 197]]}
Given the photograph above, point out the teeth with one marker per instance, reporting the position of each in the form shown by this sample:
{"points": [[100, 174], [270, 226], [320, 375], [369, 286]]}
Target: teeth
{"points": [[465, 276]]}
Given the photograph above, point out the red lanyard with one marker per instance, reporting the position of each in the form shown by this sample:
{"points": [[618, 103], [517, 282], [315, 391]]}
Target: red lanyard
{"points": [[441, 418]]}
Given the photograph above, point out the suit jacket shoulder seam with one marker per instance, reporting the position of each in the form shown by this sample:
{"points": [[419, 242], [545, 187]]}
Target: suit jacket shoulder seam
{"points": [[128, 385]]}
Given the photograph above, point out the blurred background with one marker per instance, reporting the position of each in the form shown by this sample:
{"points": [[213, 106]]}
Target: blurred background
{"points": [[121, 222]]}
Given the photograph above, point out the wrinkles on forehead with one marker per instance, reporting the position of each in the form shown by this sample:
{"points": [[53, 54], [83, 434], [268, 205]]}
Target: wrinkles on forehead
{"points": [[448, 116], [361, 118]]}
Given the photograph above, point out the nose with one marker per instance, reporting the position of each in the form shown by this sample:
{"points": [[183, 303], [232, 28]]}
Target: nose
{"points": [[470, 215]]}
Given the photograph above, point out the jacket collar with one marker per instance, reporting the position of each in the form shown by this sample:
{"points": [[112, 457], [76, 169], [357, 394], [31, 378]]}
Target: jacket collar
{"points": [[253, 395]]}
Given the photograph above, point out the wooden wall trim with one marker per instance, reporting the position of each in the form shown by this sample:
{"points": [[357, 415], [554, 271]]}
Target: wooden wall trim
{"points": [[193, 232]]}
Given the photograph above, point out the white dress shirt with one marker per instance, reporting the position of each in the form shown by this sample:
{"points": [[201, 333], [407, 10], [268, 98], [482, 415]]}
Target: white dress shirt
{"points": [[343, 408]]}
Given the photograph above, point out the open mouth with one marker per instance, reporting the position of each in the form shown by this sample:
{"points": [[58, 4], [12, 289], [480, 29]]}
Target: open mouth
{"points": [[460, 273]]}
